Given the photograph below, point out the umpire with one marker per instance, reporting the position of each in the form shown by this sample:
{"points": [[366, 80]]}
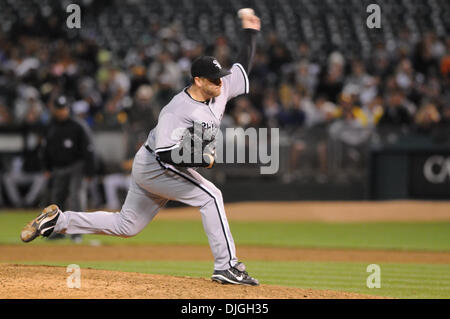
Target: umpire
{"points": [[68, 156]]}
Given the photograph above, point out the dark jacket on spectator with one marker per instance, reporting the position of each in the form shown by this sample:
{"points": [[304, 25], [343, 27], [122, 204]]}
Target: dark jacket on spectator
{"points": [[66, 143], [395, 116]]}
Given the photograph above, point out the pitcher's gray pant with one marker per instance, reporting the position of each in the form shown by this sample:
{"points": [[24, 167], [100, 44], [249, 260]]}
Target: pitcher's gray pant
{"points": [[150, 189]]}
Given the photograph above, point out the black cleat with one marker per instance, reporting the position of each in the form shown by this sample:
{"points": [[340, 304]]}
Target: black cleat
{"points": [[42, 225], [234, 275]]}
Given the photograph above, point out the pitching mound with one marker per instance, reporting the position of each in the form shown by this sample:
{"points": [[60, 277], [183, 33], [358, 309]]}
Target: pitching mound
{"points": [[20, 281]]}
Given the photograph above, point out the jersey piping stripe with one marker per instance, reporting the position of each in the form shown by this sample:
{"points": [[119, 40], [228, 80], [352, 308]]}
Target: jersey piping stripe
{"points": [[215, 202], [245, 77], [163, 166], [168, 148]]}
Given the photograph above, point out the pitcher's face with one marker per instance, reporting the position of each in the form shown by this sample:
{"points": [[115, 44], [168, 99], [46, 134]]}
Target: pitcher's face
{"points": [[211, 87]]}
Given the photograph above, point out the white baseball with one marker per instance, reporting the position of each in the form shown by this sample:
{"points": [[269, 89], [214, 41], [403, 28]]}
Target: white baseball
{"points": [[245, 11]]}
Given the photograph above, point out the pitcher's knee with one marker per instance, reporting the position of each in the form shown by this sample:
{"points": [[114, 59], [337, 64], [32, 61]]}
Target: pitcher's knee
{"points": [[215, 192], [127, 228], [213, 198], [127, 231]]}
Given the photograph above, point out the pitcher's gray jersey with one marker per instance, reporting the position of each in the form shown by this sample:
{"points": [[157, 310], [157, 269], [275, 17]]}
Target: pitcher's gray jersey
{"points": [[182, 112]]}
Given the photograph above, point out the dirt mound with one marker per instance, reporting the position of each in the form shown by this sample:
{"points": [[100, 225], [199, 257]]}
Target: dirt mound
{"points": [[20, 281]]}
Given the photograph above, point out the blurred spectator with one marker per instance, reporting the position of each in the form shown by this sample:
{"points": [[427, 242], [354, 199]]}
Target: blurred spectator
{"points": [[81, 109], [260, 68], [5, 117], [398, 110], [190, 50], [26, 171], [306, 76], [427, 117], [166, 73], [446, 115], [143, 115], [138, 78], [68, 157], [290, 115], [360, 83], [309, 151], [445, 63], [332, 80], [349, 134], [245, 114], [279, 56], [318, 112], [118, 85], [405, 75], [117, 181], [271, 107], [348, 111], [424, 61], [374, 111], [404, 43], [222, 51], [27, 101]]}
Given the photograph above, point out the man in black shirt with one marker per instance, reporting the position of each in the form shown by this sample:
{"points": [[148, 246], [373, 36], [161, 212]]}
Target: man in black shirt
{"points": [[68, 156]]}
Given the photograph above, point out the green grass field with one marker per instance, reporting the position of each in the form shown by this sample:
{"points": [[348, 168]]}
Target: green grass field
{"points": [[399, 280], [403, 236]]}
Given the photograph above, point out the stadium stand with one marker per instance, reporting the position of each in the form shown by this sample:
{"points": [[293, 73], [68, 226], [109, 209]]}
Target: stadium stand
{"points": [[334, 87]]}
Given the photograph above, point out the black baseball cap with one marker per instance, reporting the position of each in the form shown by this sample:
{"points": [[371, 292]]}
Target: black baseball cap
{"points": [[208, 67], [61, 102]]}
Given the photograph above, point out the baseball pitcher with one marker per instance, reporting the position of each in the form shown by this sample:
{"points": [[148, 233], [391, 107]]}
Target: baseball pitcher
{"points": [[160, 175]]}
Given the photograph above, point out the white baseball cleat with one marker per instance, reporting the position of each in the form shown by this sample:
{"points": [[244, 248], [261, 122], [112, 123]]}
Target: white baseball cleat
{"points": [[42, 225]]}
